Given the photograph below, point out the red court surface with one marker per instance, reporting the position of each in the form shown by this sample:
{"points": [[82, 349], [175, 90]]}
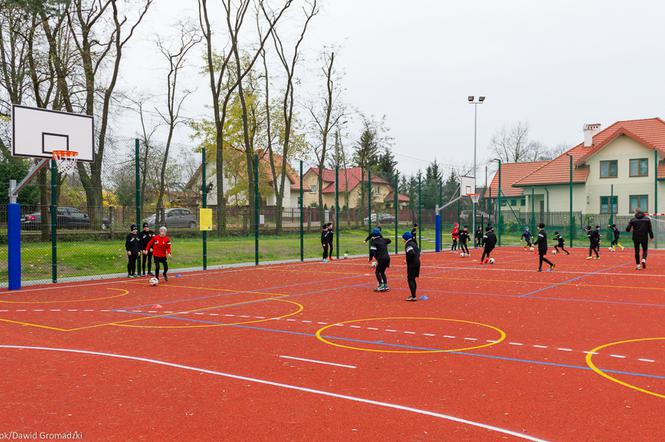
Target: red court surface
{"points": [[307, 351]]}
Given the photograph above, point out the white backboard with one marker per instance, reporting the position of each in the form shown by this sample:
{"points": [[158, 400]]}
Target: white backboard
{"points": [[467, 186], [38, 132]]}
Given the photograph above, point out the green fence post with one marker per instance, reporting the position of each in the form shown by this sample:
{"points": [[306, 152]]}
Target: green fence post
{"points": [[302, 214], [204, 204], [369, 200], [396, 208], [137, 180], [533, 210], [498, 198], [420, 210], [336, 211], [256, 209], [611, 203], [570, 198], [655, 191], [54, 221]]}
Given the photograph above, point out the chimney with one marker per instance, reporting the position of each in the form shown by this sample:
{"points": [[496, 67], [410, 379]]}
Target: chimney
{"points": [[589, 131]]}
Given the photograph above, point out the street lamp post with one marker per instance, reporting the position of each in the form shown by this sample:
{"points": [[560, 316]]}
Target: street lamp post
{"points": [[472, 100]]}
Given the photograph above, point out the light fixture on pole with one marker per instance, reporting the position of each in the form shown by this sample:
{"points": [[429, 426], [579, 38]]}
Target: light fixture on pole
{"points": [[472, 100]]}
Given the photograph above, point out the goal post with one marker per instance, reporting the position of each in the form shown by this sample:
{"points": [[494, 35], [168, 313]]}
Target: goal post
{"points": [[467, 188]]}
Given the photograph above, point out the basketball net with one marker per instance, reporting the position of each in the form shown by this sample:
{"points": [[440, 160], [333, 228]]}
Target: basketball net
{"points": [[475, 197], [66, 161]]}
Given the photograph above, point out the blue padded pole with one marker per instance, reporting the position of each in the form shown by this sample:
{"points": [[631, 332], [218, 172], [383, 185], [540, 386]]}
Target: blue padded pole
{"points": [[14, 245], [438, 232]]}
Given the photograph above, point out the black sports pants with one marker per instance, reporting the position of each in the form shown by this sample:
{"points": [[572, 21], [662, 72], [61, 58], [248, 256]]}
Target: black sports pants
{"points": [[158, 261], [380, 271], [644, 244]]}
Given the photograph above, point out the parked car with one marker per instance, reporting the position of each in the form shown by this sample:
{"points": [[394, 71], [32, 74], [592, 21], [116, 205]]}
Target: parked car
{"points": [[383, 218], [68, 218], [467, 216], [176, 217]]}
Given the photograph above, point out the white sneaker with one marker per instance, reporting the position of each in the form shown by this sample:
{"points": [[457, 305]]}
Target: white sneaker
{"points": [[638, 267]]}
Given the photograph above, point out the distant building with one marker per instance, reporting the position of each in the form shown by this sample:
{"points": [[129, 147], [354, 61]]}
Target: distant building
{"points": [[616, 169]]}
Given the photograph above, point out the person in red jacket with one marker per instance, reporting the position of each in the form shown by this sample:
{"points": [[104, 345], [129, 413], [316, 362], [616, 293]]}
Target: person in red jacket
{"points": [[455, 236], [161, 251]]}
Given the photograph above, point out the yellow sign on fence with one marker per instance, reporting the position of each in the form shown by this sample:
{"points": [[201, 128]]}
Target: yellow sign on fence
{"points": [[205, 215]]}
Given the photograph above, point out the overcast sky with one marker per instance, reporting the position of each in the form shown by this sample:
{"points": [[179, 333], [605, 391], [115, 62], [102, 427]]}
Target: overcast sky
{"points": [[555, 65]]}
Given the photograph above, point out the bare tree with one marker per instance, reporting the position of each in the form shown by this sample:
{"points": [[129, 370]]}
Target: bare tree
{"points": [[326, 119], [513, 145], [234, 23], [175, 58]]}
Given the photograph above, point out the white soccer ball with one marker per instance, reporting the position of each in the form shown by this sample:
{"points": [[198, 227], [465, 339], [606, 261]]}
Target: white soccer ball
{"points": [[554, 252], [346, 256], [491, 260], [373, 263], [462, 254], [531, 249], [153, 281], [610, 249]]}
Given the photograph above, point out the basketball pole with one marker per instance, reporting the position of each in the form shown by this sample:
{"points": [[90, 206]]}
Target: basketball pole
{"points": [[137, 181], [54, 221]]}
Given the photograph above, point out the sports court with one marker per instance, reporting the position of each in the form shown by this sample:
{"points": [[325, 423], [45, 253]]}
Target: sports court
{"points": [[307, 351]]}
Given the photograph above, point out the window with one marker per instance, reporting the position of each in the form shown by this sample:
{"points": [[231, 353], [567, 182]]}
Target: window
{"points": [[605, 204], [608, 169], [313, 188], [639, 201], [513, 202], [523, 201], [639, 167]]}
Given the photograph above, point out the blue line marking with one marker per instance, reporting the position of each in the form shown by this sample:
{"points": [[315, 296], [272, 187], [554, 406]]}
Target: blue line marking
{"points": [[410, 347], [568, 281]]}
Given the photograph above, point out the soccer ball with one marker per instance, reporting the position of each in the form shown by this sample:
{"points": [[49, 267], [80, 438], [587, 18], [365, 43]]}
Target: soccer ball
{"points": [[373, 263], [462, 255], [153, 281], [554, 252], [531, 249], [491, 260], [346, 256]]}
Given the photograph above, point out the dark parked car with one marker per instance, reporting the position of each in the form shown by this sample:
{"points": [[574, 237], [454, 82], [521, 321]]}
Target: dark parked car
{"points": [[68, 218], [467, 216], [383, 218], [176, 217]]}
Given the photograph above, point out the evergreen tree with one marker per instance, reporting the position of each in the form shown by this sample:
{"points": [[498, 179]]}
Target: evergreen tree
{"points": [[387, 165]]}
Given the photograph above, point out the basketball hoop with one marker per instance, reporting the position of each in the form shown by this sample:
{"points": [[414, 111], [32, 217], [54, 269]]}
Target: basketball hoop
{"points": [[66, 160], [475, 197]]}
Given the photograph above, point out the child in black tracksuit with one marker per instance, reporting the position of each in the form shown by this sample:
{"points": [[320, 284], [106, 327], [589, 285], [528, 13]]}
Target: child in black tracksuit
{"points": [[594, 241], [133, 247], [463, 240], [372, 249], [640, 225], [146, 258], [478, 237], [489, 242], [541, 242], [560, 241], [412, 263], [326, 242], [382, 262], [614, 231]]}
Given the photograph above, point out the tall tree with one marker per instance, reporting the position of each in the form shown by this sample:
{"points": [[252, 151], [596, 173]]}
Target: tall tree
{"points": [[513, 145], [366, 155]]}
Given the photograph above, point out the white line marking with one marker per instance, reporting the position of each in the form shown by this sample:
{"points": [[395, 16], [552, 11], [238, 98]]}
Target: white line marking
{"points": [[470, 339], [429, 334], [564, 349], [322, 323], [4, 310], [306, 321], [410, 333], [618, 356], [24, 310], [214, 314], [540, 346], [86, 310], [354, 326], [315, 361], [37, 310], [390, 330], [449, 337], [292, 387], [591, 352], [257, 317], [645, 360], [515, 343], [230, 316], [372, 328]]}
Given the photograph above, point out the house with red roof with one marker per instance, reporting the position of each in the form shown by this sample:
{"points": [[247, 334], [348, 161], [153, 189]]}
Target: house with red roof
{"points": [[350, 189], [616, 169]]}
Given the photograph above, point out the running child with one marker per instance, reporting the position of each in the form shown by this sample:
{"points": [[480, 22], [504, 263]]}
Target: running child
{"points": [[455, 236], [489, 242], [133, 248], [615, 238], [382, 260], [412, 263], [640, 225], [161, 250], [145, 236], [526, 236], [541, 242], [560, 241], [478, 236], [463, 239], [594, 242]]}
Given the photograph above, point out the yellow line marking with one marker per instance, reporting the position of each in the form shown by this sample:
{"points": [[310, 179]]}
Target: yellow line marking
{"points": [[502, 335], [29, 324], [313, 271], [125, 293], [590, 363], [299, 309]]}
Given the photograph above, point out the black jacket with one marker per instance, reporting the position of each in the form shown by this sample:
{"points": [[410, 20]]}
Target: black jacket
{"points": [[145, 237], [559, 239], [616, 233], [412, 253], [133, 244], [641, 227], [326, 236], [594, 236], [541, 240], [489, 240], [381, 248], [464, 236]]}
